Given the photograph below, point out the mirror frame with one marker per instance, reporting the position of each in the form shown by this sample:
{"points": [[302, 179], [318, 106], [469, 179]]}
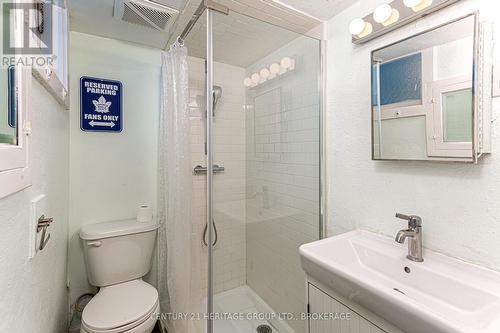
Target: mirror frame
{"points": [[475, 98]]}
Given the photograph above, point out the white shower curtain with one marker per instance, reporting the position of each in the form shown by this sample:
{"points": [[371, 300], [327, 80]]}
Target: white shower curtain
{"points": [[179, 251]]}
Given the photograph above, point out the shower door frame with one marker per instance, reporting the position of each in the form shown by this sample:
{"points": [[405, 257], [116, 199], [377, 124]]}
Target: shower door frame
{"points": [[212, 7], [210, 162]]}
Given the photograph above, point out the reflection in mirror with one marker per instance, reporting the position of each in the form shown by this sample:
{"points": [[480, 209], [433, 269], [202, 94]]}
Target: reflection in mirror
{"points": [[422, 95], [8, 113]]}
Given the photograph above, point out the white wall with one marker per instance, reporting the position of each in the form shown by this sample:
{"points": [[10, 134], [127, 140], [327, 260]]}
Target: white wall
{"points": [[458, 202], [33, 292], [111, 174], [283, 176]]}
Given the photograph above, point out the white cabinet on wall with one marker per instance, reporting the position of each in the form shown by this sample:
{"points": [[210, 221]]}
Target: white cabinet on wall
{"points": [[331, 313]]}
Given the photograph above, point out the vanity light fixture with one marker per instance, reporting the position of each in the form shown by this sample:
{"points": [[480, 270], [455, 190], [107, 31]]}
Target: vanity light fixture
{"points": [[392, 15], [360, 28], [385, 14], [417, 5], [286, 64]]}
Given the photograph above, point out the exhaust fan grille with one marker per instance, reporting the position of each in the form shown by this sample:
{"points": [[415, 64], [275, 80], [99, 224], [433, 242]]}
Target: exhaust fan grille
{"points": [[145, 13], [159, 18], [131, 16]]}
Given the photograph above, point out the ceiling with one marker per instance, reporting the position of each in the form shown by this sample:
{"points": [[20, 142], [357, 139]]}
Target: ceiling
{"points": [[321, 9], [238, 39], [95, 17]]}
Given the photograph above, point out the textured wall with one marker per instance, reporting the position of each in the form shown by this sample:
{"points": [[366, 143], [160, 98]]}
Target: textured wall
{"points": [[33, 292], [458, 202], [111, 174]]}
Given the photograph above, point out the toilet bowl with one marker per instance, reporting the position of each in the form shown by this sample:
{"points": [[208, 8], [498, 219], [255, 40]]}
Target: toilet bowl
{"points": [[130, 307], [117, 255]]}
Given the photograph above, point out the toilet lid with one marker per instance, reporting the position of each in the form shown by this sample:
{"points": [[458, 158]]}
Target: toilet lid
{"points": [[119, 305]]}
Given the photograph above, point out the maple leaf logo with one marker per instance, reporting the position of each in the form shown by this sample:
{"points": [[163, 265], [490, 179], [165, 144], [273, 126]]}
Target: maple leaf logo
{"points": [[101, 105]]}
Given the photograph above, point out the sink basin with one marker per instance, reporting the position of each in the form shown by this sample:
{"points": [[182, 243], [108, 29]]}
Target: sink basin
{"points": [[441, 294]]}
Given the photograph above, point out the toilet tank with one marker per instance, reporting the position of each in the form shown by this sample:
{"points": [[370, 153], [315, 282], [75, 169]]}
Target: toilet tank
{"points": [[118, 251]]}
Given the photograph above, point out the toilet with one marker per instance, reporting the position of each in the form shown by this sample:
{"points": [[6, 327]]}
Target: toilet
{"points": [[117, 255]]}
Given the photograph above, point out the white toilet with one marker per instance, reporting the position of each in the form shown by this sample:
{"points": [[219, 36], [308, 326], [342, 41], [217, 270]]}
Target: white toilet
{"points": [[117, 255]]}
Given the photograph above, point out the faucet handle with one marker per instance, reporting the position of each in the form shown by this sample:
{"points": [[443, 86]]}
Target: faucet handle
{"points": [[413, 220]]}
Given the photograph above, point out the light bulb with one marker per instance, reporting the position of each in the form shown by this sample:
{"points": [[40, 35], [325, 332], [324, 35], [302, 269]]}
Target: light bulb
{"points": [[264, 73], [382, 13], [357, 26], [274, 68], [424, 4], [412, 3], [255, 78], [286, 62], [360, 28], [247, 82], [385, 15], [368, 30], [417, 5]]}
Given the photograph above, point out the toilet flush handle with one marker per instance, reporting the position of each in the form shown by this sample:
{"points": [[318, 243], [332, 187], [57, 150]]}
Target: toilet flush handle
{"points": [[94, 243]]}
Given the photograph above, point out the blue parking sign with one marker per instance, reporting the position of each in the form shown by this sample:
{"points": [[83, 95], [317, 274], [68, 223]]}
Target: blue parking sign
{"points": [[100, 105]]}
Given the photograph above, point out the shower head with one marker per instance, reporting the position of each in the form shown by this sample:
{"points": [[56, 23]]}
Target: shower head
{"points": [[217, 94]]}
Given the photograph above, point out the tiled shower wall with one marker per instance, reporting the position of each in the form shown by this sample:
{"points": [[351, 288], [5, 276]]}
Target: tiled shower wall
{"points": [[282, 147], [266, 200], [229, 186]]}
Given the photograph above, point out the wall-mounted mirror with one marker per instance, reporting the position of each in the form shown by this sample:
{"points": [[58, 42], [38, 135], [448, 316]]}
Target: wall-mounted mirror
{"points": [[423, 97], [8, 112]]}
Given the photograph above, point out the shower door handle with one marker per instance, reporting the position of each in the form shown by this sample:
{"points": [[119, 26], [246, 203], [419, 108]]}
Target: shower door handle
{"points": [[204, 238], [199, 170]]}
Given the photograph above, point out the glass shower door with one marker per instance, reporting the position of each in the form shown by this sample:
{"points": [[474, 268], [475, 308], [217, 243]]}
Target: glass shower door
{"points": [[265, 141]]}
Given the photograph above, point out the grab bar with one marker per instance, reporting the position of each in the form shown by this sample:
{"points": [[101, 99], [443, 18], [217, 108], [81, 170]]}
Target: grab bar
{"points": [[199, 170]]}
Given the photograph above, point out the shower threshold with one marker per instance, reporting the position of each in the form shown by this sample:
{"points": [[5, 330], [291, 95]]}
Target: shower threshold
{"points": [[253, 311]]}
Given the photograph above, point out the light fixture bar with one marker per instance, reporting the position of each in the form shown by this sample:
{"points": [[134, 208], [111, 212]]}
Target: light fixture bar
{"points": [[276, 69], [407, 11]]}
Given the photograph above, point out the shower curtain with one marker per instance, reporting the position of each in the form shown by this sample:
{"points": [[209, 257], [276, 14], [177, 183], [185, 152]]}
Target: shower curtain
{"points": [[179, 250]]}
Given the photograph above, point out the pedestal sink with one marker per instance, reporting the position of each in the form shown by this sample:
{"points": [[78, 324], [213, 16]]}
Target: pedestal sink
{"points": [[439, 295]]}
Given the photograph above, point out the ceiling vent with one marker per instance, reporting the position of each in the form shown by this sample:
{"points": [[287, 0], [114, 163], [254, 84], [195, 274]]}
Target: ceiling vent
{"points": [[146, 13]]}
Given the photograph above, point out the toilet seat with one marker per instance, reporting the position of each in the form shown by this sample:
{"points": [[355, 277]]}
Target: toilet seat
{"points": [[121, 307], [145, 326]]}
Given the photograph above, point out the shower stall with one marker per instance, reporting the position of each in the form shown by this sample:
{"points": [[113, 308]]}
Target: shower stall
{"points": [[255, 141]]}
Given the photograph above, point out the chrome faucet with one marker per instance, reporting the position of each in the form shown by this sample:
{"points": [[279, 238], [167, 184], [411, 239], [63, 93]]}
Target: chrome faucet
{"points": [[414, 235]]}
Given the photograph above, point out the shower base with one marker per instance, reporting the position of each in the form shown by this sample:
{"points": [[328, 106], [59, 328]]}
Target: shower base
{"points": [[245, 302]]}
